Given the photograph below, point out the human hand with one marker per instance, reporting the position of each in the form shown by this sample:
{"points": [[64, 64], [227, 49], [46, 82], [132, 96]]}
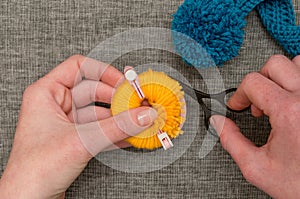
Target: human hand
{"points": [[57, 133], [275, 92]]}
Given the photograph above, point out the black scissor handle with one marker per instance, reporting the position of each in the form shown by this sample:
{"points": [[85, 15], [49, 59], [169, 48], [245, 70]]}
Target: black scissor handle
{"points": [[208, 112], [101, 104], [207, 115], [221, 98]]}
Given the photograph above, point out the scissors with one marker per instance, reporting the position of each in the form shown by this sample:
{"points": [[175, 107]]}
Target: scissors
{"points": [[208, 112], [199, 96]]}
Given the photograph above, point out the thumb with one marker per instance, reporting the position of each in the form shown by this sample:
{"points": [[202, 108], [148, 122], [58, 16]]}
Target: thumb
{"points": [[96, 136], [242, 150]]}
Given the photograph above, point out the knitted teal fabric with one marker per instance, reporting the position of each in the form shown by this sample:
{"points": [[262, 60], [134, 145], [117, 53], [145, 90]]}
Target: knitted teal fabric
{"points": [[217, 26], [279, 18]]}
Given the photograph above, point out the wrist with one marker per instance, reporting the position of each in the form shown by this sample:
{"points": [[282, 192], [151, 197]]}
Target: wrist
{"points": [[13, 187], [10, 191]]}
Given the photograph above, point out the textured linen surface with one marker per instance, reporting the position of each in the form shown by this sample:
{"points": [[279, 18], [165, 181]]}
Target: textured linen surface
{"points": [[38, 35]]}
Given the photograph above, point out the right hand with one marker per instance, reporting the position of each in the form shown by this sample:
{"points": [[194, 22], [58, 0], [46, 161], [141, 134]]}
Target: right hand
{"points": [[275, 92]]}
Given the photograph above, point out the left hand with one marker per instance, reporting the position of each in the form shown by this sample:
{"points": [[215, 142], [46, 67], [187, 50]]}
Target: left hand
{"points": [[58, 133]]}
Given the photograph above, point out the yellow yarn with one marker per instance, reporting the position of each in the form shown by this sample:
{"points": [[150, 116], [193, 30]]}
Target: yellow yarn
{"points": [[165, 95]]}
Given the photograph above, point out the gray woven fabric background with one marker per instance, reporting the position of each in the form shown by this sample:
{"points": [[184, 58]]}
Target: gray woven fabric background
{"points": [[38, 35]]}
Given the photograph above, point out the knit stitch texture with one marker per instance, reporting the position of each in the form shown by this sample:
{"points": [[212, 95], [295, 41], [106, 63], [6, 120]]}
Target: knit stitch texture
{"points": [[217, 26], [279, 18]]}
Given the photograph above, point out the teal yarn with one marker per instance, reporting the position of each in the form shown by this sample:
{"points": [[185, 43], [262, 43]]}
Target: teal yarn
{"points": [[279, 18], [218, 27], [213, 26]]}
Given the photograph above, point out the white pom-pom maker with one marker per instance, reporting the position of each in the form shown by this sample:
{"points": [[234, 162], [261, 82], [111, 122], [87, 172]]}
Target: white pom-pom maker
{"points": [[132, 77]]}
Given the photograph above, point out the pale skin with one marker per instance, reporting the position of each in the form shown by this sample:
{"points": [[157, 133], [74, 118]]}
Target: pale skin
{"points": [[57, 134], [275, 92]]}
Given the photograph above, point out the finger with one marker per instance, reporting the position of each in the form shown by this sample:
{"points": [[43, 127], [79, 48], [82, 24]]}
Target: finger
{"points": [[97, 136], [257, 90], [75, 68], [112, 77], [96, 70], [242, 150], [89, 91], [89, 114], [296, 60], [282, 71], [256, 112]]}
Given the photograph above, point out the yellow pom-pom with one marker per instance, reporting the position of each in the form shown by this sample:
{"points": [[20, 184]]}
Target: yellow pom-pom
{"points": [[165, 95]]}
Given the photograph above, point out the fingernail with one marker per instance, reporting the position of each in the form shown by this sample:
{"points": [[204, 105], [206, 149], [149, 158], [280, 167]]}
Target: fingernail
{"points": [[216, 122], [146, 117]]}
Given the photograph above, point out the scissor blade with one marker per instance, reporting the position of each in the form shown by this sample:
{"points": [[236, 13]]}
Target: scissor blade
{"points": [[188, 90]]}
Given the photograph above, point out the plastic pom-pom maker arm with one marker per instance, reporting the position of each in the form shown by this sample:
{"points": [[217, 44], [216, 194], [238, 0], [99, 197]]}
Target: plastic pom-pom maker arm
{"points": [[132, 77]]}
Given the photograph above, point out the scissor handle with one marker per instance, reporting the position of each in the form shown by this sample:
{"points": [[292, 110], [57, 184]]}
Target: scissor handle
{"points": [[102, 104], [208, 112], [221, 97], [231, 90]]}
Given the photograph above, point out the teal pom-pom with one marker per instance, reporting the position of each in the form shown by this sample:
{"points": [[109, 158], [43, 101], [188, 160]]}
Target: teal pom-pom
{"points": [[215, 25]]}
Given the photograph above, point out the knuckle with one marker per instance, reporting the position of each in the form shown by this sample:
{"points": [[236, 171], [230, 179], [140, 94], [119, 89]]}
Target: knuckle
{"points": [[298, 56], [34, 93], [291, 109], [287, 114], [251, 77], [76, 57], [275, 59], [29, 91], [296, 59]]}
